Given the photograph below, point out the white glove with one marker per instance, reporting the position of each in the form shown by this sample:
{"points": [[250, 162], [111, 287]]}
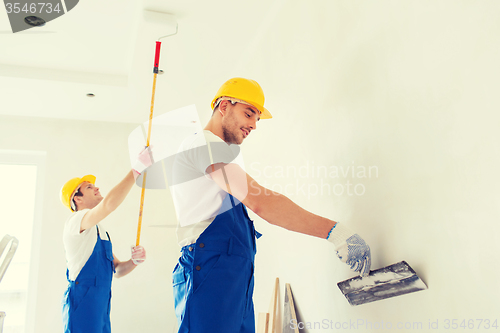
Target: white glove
{"points": [[144, 160], [138, 255], [351, 249]]}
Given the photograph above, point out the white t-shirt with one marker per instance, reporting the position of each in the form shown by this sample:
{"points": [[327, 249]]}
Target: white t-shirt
{"points": [[197, 198], [79, 246]]}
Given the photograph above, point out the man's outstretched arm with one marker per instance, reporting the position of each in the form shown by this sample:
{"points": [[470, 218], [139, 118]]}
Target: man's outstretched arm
{"points": [[110, 202], [272, 206], [279, 210]]}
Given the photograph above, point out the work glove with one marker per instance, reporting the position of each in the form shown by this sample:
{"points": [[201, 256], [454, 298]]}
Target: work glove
{"points": [[351, 249], [144, 160], [138, 254]]}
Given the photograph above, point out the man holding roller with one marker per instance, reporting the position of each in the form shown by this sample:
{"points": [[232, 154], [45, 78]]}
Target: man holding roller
{"points": [[213, 280], [90, 259]]}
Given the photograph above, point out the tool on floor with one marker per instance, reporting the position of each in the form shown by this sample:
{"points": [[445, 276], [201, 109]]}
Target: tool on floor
{"points": [[391, 281], [155, 72], [269, 322], [290, 322]]}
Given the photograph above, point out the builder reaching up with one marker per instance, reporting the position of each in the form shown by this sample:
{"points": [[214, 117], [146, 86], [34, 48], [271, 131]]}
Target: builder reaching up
{"points": [[90, 259], [213, 280]]}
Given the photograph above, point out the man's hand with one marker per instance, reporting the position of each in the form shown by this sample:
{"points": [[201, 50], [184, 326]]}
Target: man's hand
{"points": [[138, 255], [351, 249], [144, 160]]}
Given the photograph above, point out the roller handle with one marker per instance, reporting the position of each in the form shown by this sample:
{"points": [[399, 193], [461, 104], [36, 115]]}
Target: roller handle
{"points": [[155, 71], [157, 57]]}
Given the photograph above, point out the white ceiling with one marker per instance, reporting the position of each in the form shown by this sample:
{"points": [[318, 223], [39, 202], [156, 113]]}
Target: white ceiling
{"points": [[107, 48]]}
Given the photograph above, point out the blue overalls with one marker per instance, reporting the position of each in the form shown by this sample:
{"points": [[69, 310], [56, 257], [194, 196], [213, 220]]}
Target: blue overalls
{"points": [[87, 300], [213, 280]]}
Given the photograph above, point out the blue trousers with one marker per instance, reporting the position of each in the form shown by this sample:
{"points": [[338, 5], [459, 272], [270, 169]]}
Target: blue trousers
{"points": [[87, 301], [214, 279]]}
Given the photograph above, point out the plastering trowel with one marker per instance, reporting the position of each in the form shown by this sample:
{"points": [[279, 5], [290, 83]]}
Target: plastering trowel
{"points": [[390, 281]]}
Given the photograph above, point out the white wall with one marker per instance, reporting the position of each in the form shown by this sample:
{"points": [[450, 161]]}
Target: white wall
{"points": [[408, 87]]}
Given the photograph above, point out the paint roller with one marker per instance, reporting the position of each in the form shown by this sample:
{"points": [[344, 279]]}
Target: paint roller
{"points": [[161, 18]]}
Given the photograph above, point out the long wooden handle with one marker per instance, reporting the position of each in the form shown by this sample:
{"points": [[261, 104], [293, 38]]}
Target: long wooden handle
{"points": [[143, 192], [139, 224]]}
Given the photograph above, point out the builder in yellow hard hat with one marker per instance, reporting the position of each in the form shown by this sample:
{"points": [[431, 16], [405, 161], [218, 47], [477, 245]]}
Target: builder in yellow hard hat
{"points": [[91, 263], [213, 280]]}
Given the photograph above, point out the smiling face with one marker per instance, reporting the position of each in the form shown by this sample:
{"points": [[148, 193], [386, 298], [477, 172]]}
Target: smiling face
{"points": [[238, 121], [87, 196]]}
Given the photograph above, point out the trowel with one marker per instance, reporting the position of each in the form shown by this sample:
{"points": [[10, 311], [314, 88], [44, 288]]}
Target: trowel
{"points": [[393, 280]]}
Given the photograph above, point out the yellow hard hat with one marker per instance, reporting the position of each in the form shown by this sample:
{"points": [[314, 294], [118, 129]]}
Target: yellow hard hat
{"points": [[69, 188], [246, 90]]}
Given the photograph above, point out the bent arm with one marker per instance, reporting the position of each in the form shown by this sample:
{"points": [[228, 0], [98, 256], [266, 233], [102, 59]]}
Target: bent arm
{"points": [[114, 199], [272, 206], [122, 268]]}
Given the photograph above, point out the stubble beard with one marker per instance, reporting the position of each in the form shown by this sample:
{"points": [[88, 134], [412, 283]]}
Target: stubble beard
{"points": [[229, 135]]}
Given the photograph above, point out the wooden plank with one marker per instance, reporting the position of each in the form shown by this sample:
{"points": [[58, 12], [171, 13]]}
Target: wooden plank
{"points": [[289, 314], [279, 316], [263, 322], [274, 309]]}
